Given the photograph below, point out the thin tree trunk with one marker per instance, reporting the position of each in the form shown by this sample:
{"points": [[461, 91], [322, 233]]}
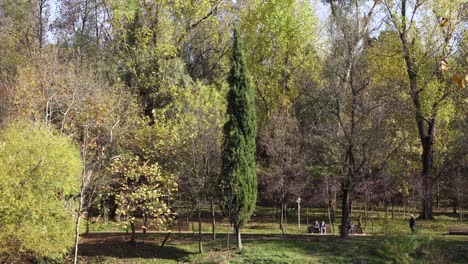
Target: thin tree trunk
{"points": [[331, 197], [133, 237], [213, 223], [285, 224], [87, 225], [165, 239], [330, 221], [145, 222], [281, 219], [239, 239], [274, 213], [200, 243], [228, 236], [82, 190], [366, 215], [77, 222]]}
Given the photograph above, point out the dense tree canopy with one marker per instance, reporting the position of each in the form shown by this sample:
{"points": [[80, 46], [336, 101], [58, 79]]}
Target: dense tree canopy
{"points": [[350, 97]]}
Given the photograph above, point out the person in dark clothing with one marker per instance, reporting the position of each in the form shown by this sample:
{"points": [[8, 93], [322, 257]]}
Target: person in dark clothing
{"points": [[412, 223]]}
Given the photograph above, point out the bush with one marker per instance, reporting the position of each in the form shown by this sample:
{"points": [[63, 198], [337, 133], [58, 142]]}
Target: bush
{"points": [[400, 249], [38, 173]]}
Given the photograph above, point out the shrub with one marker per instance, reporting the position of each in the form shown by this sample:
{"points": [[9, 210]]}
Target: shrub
{"points": [[39, 171], [400, 249]]}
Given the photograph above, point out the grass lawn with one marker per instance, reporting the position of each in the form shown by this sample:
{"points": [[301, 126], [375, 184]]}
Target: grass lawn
{"points": [[113, 248], [387, 241]]}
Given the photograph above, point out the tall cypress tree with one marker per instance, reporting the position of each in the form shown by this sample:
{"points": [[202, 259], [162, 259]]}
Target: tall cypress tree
{"points": [[239, 178]]}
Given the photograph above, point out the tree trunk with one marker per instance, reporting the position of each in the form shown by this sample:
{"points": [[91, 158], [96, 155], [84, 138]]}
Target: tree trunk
{"points": [[228, 236], [200, 243], [145, 222], [366, 216], [77, 224], [165, 239], [331, 197], [331, 205], [239, 239], [274, 213], [345, 212], [426, 128], [117, 215], [330, 221], [87, 225], [133, 237], [213, 223], [285, 224], [427, 158], [281, 219]]}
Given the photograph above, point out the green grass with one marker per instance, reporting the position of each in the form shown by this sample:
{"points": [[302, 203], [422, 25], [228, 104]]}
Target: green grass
{"points": [[264, 223], [292, 249], [387, 241]]}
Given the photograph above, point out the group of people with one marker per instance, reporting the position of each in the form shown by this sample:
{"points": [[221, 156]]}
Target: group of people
{"points": [[322, 228]]}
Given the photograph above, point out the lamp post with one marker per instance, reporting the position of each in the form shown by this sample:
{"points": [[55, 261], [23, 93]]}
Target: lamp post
{"points": [[298, 201]]}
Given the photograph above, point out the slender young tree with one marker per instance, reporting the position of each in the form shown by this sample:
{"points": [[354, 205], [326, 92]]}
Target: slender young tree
{"points": [[238, 179]]}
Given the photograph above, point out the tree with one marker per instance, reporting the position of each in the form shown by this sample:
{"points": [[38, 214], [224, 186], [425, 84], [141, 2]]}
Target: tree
{"points": [[67, 95], [282, 178], [280, 48], [428, 87], [142, 187], [238, 179], [40, 173], [200, 155], [149, 39], [349, 85]]}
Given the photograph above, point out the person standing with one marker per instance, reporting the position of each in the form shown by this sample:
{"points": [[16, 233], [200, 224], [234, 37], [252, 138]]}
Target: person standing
{"points": [[412, 224]]}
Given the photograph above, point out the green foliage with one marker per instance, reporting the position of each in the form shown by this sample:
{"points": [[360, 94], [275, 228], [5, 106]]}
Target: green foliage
{"points": [[142, 187], [400, 249], [199, 156], [280, 41], [238, 176], [39, 172]]}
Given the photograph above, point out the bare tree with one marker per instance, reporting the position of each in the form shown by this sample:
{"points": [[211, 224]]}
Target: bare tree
{"points": [[346, 71], [282, 178]]}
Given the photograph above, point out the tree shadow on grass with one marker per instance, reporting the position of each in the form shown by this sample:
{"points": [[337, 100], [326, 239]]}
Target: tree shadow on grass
{"points": [[124, 250], [326, 248]]}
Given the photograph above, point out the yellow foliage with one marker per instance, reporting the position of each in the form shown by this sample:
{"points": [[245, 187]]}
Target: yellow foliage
{"points": [[460, 80]]}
